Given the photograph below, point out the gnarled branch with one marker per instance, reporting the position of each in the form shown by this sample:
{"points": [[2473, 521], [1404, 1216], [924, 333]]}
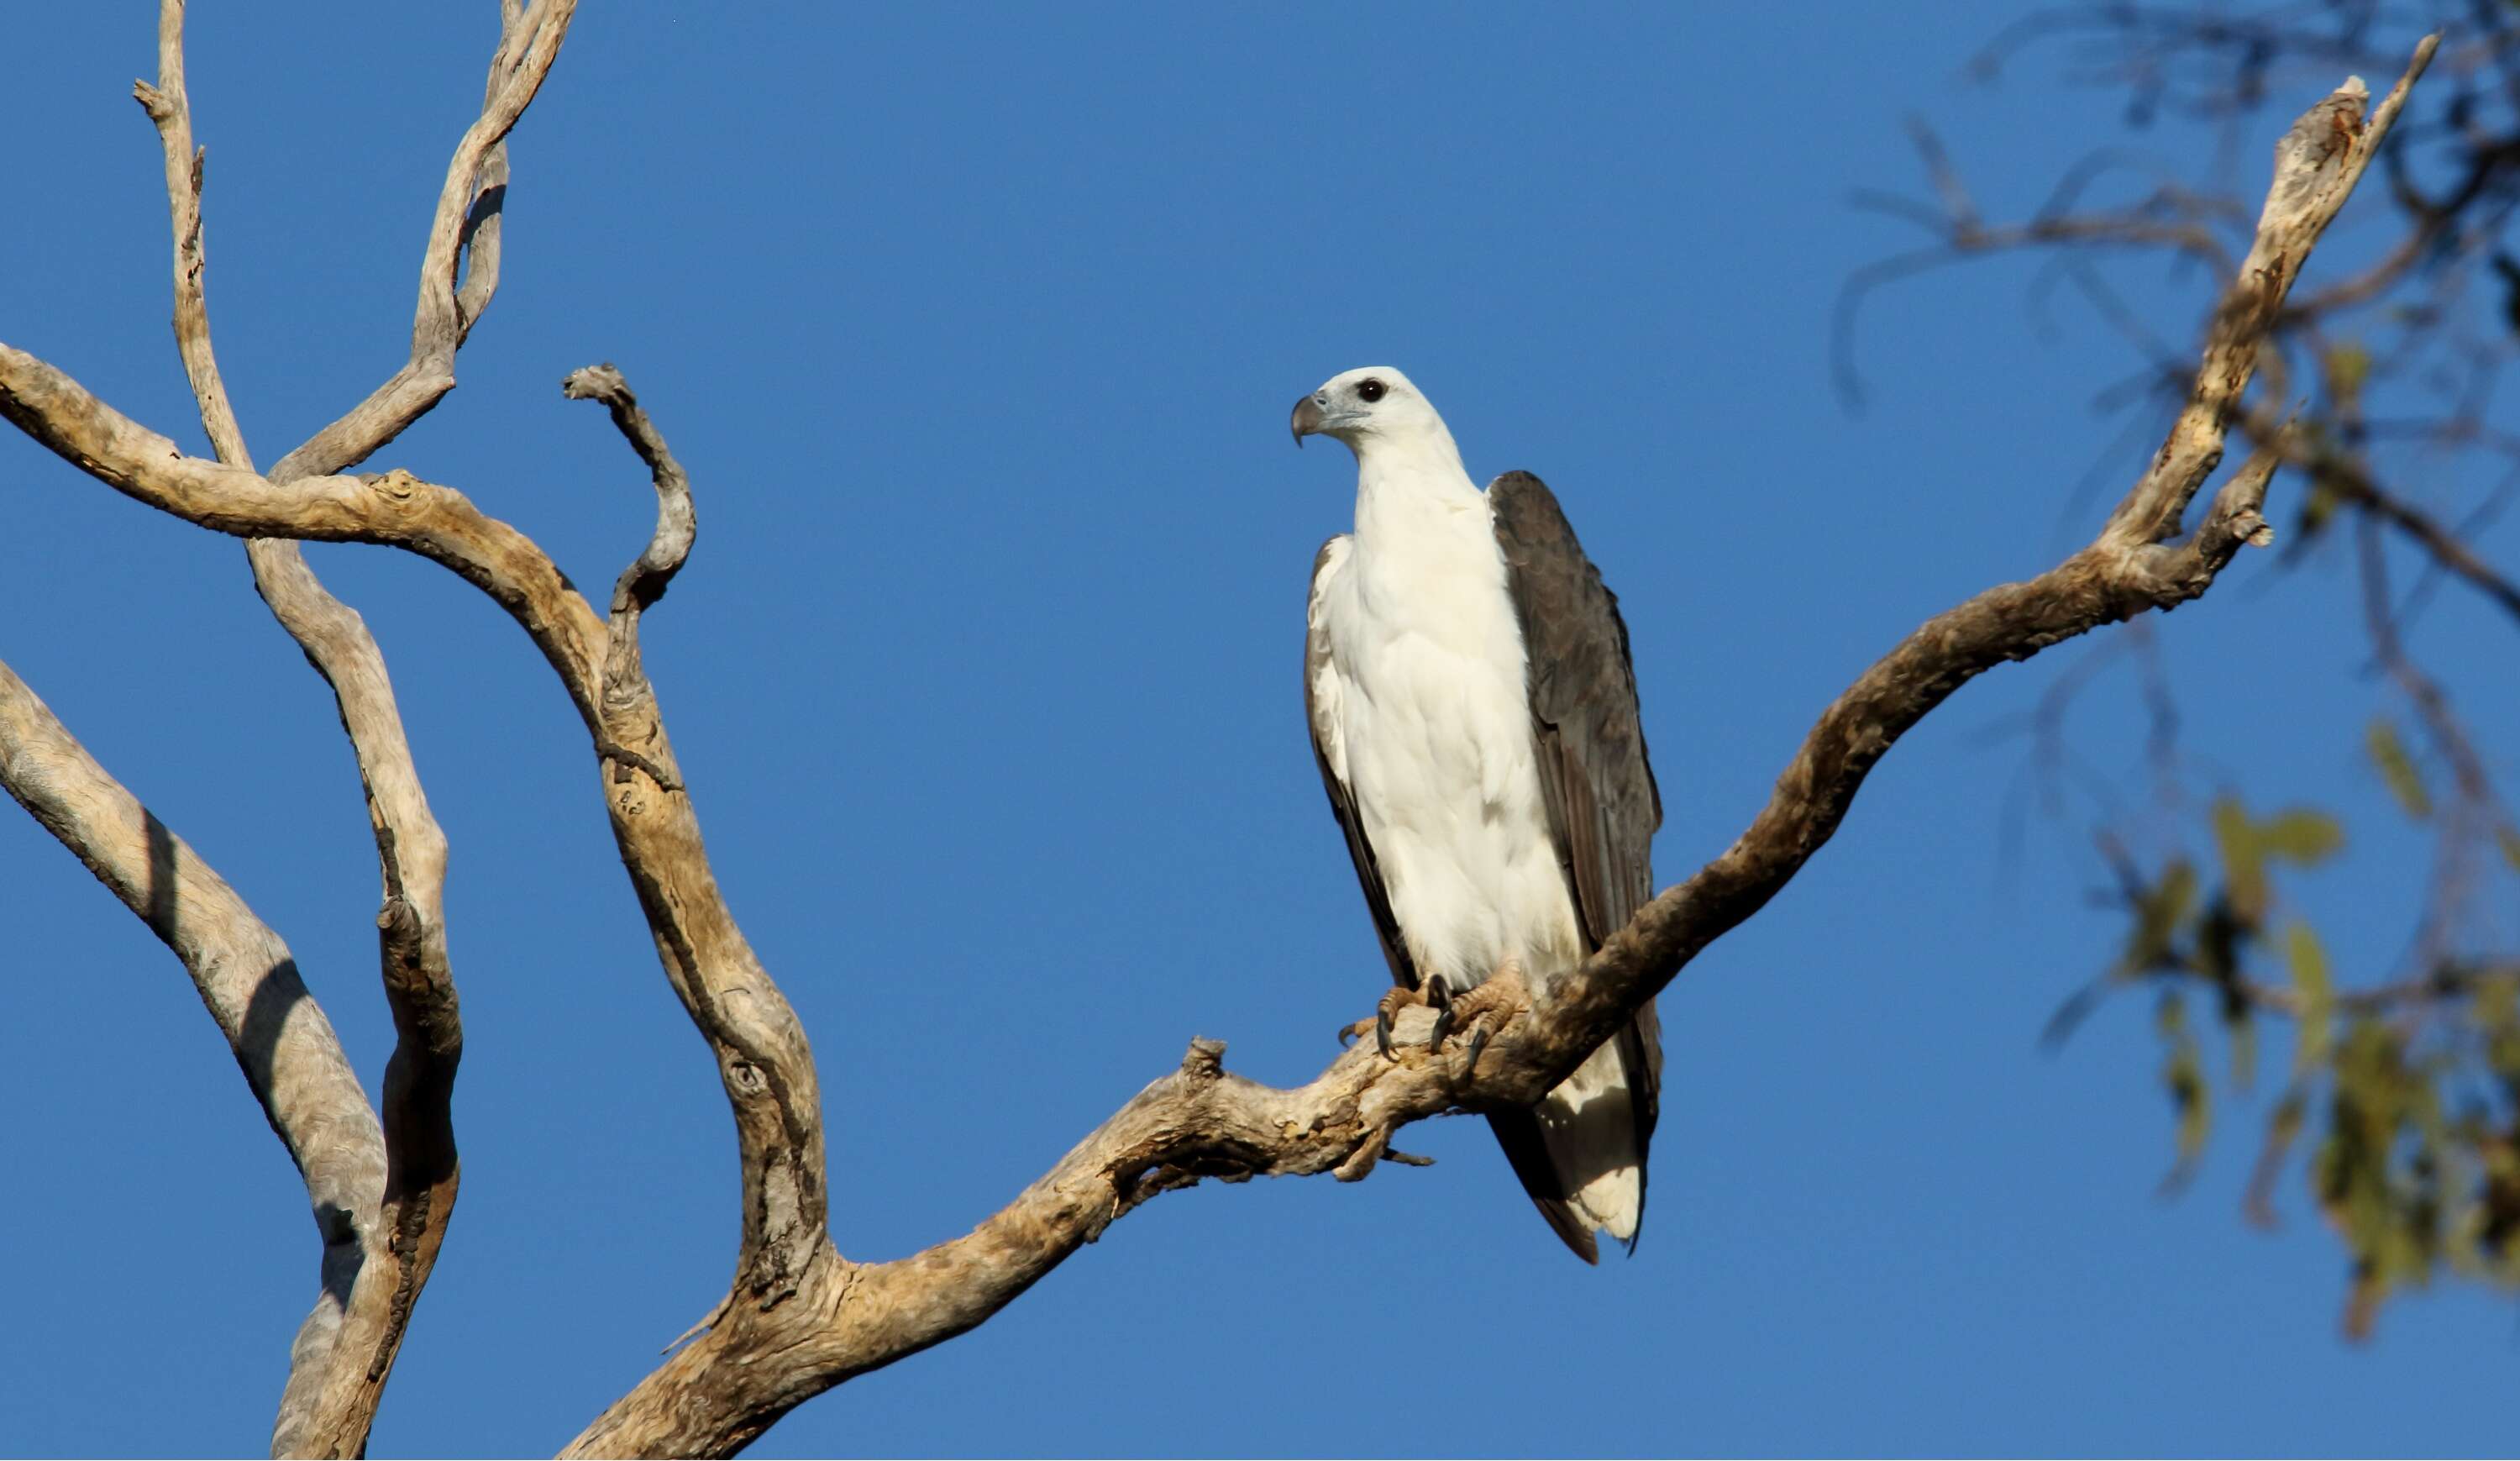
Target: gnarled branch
{"points": [[626, 696], [344, 1360], [291, 1058], [764, 1060]]}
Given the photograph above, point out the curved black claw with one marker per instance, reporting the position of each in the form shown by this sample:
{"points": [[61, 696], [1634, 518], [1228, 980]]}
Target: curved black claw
{"points": [[1478, 1042], [1440, 995], [1382, 1032]]}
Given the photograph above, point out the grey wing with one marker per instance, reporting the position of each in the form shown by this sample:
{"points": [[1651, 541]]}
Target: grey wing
{"points": [[1603, 806], [1368, 874]]}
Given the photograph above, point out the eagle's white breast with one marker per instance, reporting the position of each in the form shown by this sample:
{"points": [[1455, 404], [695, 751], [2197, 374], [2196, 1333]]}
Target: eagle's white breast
{"points": [[1425, 714]]}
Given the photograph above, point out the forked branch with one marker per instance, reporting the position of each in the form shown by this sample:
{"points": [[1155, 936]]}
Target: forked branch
{"points": [[464, 231], [347, 1349]]}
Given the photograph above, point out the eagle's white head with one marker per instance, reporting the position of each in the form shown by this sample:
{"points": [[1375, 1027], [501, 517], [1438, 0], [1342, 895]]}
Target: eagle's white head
{"points": [[1375, 411]]}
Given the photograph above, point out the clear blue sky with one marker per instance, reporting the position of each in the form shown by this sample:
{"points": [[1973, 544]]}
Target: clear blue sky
{"points": [[977, 332]]}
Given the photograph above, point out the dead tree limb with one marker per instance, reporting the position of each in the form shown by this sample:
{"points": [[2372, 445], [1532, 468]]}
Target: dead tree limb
{"points": [[2350, 477], [464, 231], [346, 1350], [802, 1319], [2174, 220], [764, 1060], [626, 696], [291, 1060]]}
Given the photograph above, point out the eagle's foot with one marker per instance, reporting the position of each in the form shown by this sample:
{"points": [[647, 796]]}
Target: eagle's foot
{"points": [[1393, 1002], [1485, 1009]]}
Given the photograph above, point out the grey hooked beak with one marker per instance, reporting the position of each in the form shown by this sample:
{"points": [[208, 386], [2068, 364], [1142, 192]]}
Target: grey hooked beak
{"points": [[1307, 419]]}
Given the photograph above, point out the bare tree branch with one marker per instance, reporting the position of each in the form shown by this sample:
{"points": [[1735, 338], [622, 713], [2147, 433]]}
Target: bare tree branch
{"points": [[2341, 472], [764, 1060], [469, 209], [2471, 816], [339, 1369], [2128, 229], [2435, 220], [171, 109], [2170, 219], [290, 1055], [801, 1318], [626, 695]]}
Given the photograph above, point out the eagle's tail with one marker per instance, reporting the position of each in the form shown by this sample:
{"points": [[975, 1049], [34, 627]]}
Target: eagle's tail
{"points": [[1580, 1151]]}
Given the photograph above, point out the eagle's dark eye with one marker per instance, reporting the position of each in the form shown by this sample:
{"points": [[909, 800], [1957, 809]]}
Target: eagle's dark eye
{"points": [[1369, 390]]}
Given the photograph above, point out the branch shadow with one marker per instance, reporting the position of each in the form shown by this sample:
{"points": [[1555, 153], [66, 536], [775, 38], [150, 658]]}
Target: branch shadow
{"points": [[276, 996]]}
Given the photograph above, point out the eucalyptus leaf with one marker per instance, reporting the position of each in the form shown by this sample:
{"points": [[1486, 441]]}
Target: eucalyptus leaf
{"points": [[2244, 866], [2301, 835], [2396, 769], [2307, 960]]}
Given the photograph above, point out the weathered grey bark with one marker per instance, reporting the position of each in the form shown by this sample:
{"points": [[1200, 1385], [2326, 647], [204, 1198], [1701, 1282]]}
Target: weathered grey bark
{"points": [[291, 1060], [380, 1248], [800, 1318], [465, 230], [345, 1348]]}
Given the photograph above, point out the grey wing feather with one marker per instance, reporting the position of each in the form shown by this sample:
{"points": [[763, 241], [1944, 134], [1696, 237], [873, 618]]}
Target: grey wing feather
{"points": [[1603, 806]]}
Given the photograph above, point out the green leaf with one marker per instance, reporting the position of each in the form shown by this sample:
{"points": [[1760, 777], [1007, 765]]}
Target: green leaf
{"points": [[2349, 365], [2177, 894], [2396, 769], [2159, 910], [2284, 1128], [2367, 1105], [2301, 835], [2183, 1071], [2244, 864], [2497, 1014], [2308, 961], [2497, 1002]]}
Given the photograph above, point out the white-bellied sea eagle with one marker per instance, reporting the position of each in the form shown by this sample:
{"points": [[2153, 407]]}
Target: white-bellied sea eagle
{"points": [[1474, 713]]}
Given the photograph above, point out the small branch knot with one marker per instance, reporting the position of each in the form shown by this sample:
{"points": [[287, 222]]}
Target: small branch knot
{"points": [[398, 920], [1206, 1060], [628, 758], [396, 485], [596, 383]]}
